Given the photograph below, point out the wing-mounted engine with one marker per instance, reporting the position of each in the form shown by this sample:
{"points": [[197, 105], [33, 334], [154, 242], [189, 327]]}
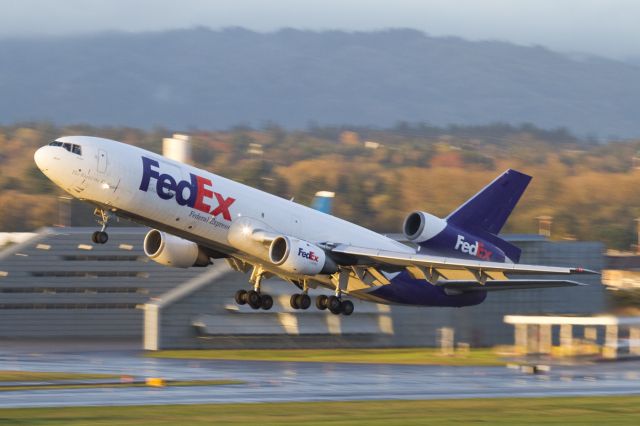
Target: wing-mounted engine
{"points": [[422, 226], [300, 257], [251, 236], [287, 253], [170, 250]]}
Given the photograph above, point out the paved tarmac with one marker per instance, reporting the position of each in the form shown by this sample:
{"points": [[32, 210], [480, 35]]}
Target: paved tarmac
{"points": [[287, 381]]}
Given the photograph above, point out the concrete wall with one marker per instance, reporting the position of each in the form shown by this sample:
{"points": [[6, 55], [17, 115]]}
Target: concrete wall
{"points": [[58, 285]]}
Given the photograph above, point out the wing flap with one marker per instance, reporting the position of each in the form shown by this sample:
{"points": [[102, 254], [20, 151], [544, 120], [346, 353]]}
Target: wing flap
{"points": [[497, 285]]}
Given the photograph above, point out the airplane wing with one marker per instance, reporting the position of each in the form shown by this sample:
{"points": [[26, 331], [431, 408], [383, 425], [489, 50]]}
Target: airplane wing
{"points": [[459, 286], [437, 269]]}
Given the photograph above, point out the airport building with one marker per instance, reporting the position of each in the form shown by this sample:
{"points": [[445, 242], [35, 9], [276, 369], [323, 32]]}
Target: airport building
{"points": [[57, 285]]}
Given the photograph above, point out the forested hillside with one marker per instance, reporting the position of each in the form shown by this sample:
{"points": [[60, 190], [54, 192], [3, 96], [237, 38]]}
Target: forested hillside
{"points": [[591, 190]]}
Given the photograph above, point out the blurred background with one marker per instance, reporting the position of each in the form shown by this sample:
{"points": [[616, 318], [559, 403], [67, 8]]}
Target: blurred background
{"points": [[390, 106]]}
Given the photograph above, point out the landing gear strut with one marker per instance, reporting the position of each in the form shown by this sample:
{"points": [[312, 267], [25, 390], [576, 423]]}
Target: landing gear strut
{"points": [[254, 298], [101, 237]]}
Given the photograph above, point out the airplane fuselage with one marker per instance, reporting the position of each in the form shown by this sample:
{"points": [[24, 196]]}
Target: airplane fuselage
{"points": [[201, 207]]}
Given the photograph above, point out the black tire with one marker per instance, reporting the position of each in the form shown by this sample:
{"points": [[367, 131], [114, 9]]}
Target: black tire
{"points": [[294, 301], [304, 301], [347, 307], [102, 237], [94, 237], [253, 299], [333, 303], [266, 302], [321, 302], [241, 297]]}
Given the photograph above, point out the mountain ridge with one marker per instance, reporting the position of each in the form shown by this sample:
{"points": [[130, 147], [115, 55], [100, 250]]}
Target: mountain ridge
{"points": [[203, 78]]}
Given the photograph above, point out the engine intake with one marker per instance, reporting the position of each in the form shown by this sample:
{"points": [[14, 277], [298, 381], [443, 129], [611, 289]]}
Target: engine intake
{"points": [[422, 226], [300, 257], [169, 250]]}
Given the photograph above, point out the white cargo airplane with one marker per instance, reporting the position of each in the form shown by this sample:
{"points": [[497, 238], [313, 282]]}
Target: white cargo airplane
{"points": [[198, 216]]}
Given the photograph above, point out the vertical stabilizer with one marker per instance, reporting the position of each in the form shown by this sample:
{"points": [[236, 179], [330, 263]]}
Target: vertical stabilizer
{"points": [[490, 208]]}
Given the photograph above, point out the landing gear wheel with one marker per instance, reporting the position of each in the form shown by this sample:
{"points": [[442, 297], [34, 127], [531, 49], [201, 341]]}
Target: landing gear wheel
{"points": [[100, 237], [304, 301], [294, 301], [346, 307], [266, 302], [253, 299], [241, 297], [321, 302], [334, 305]]}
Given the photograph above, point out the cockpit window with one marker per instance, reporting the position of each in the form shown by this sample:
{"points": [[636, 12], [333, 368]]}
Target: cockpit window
{"points": [[76, 149]]}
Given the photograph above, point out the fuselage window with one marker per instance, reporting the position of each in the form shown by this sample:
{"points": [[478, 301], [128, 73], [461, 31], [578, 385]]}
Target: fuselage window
{"points": [[67, 146], [76, 149], [55, 143]]}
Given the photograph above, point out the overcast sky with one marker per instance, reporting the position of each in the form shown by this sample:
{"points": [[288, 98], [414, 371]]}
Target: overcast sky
{"points": [[604, 27]]}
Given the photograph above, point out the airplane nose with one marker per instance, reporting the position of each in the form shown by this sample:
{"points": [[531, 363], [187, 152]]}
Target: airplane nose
{"points": [[40, 157]]}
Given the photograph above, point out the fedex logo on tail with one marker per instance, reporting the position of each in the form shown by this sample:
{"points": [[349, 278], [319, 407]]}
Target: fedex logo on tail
{"points": [[308, 255], [199, 191], [477, 249]]}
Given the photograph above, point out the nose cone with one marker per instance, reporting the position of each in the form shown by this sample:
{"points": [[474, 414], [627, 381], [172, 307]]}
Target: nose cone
{"points": [[40, 157]]}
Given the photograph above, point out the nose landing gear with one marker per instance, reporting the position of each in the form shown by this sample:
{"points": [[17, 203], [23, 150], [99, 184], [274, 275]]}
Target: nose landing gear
{"points": [[101, 236]]}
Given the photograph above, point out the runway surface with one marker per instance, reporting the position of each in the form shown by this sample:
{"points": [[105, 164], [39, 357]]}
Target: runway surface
{"points": [[285, 381]]}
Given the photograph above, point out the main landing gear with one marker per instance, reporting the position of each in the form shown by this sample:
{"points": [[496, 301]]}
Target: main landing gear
{"points": [[254, 298], [101, 237], [300, 301], [334, 304]]}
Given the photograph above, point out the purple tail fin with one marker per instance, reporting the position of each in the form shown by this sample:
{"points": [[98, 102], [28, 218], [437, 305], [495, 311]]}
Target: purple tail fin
{"points": [[485, 213], [489, 209]]}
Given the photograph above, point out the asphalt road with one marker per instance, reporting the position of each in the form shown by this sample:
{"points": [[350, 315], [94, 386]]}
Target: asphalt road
{"points": [[285, 381]]}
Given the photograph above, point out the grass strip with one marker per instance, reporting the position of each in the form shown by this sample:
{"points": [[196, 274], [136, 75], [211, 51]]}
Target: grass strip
{"points": [[506, 411], [45, 376], [407, 356], [46, 386]]}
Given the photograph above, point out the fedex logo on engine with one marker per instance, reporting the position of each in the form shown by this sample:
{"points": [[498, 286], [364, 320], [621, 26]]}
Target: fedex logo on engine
{"points": [[477, 249], [196, 193], [308, 255]]}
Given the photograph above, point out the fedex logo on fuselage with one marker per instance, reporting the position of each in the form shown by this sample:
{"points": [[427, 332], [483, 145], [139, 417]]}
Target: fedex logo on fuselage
{"points": [[199, 192], [477, 249], [308, 255]]}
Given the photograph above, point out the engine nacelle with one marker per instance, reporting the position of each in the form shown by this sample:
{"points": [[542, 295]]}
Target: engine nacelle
{"points": [[170, 250], [300, 257], [422, 226], [248, 235]]}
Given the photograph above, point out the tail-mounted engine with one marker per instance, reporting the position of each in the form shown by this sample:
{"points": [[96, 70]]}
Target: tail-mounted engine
{"points": [[422, 226]]}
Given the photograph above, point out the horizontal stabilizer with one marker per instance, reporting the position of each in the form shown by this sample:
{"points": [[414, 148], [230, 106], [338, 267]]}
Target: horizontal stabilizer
{"points": [[496, 285]]}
